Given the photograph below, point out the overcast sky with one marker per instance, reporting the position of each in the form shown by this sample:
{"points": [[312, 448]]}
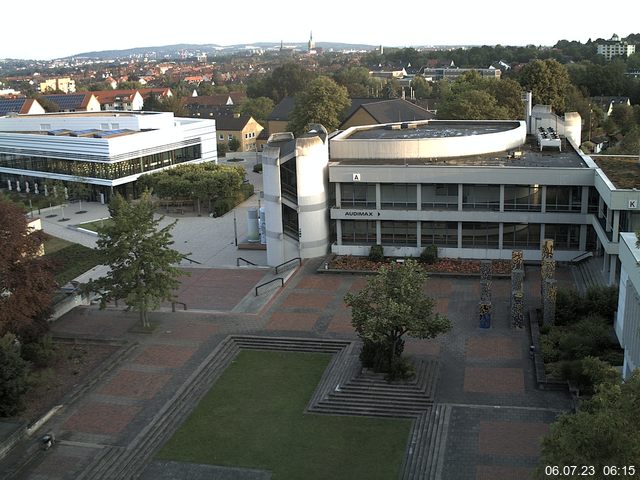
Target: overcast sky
{"points": [[48, 30]]}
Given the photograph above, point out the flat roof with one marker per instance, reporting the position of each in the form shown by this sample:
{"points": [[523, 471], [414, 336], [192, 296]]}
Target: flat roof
{"points": [[622, 170], [526, 155], [101, 113], [433, 129]]}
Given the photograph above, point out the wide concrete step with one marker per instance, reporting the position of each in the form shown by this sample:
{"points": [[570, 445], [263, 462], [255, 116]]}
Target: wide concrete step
{"points": [[356, 410]]}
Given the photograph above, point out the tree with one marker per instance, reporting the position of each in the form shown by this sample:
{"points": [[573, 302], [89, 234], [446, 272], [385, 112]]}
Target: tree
{"points": [[48, 105], [222, 149], [286, 80], [140, 257], [13, 376], [421, 88], [356, 80], [26, 280], [323, 101], [258, 108], [602, 433], [234, 144], [548, 81], [392, 304]]}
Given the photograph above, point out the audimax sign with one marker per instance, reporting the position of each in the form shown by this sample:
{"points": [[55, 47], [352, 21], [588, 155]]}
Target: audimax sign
{"points": [[360, 213]]}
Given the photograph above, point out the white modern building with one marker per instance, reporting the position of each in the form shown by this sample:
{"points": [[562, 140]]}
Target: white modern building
{"points": [[627, 323], [107, 150], [614, 47]]}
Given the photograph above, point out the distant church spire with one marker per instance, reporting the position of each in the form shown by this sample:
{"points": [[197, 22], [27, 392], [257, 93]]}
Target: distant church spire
{"points": [[311, 44]]}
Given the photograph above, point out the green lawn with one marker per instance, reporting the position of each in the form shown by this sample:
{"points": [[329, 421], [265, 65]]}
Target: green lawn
{"points": [[253, 417], [69, 259], [93, 226]]}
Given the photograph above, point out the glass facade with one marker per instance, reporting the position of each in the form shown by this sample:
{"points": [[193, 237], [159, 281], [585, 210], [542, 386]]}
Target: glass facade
{"points": [[289, 179], [356, 232], [521, 235], [565, 237], [400, 196], [399, 233], [442, 234], [358, 195], [440, 196], [481, 197], [480, 235], [563, 198], [522, 198], [104, 170]]}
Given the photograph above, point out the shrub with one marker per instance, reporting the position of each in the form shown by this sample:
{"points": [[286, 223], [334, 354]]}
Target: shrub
{"points": [[429, 254], [376, 355], [13, 377], [257, 168], [401, 368], [586, 373], [222, 149], [222, 206], [41, 353], [569, 305], [603, 301], [376, 253], [246, 190]]}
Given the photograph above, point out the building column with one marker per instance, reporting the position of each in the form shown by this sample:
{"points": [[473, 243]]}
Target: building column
{"points": [[583, 238], [542, 234], [616, 225], [501, 202], [613, 267], [609, 221], [501, 226], [600, 206], [419, 233], [418, 197], [459, 234], [543, 200], [605, 262], [378, 198], [339, 232], [460, 193], [584, 206], [338, 195], [378, 233]]}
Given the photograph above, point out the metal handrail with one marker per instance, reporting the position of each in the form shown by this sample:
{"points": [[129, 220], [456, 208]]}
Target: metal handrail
{"points": [[288, 261], [582, 256], [173, 305], [192, 261], [270, 281], [244, 260]]}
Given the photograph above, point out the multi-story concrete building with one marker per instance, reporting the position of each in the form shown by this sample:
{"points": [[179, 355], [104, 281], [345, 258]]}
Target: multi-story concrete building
{"points": [[627, 323], [106, 150], [614, 47], [63, 84]]}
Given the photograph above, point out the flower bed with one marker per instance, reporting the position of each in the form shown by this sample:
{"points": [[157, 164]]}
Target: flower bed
{"points": [[443, 265]]}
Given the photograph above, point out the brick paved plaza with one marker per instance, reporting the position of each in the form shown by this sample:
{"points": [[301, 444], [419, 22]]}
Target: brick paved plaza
{"points": [[497, 413]]}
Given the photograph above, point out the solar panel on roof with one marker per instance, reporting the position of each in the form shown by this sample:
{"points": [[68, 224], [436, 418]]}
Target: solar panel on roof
{"points": [[70, 101], [113, 133], [11, 105], [84, 133]]}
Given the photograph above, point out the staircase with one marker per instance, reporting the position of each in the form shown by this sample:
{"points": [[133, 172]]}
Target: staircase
{"points": [[588, 273]]}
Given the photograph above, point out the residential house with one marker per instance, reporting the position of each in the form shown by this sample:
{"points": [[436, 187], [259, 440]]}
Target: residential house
{"points": [[75, 102], [19, 105], [125, 100], [209, 106], [373, 111], [606, 104], [241, 127]]}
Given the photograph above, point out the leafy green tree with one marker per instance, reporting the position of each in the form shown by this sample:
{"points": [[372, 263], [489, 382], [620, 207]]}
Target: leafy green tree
{"points": [[356, 80], [13, 376], [393, 304], [630, 144], [234, 144], [222, 149], [421, 88], [624, 117], [548, 81], [142, 263], [258, 108], [602, 433], [471, 105], [26, 279], [48, 105], [286, 80], [323, 101]]}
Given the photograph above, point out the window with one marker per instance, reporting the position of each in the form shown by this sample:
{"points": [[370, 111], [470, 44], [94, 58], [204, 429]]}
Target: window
{"points": [[231, 136], [221, 136], [441, 196], [565, 237], [564, 198], [398, 195], [481, 197], [442, 234], [480, 235], [522, 198], [521, 235], [358, 195], [357, 232], [399, 233]]}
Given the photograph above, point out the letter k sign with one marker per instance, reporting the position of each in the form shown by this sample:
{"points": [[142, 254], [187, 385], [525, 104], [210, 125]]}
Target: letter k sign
{"points": [[633, 204]]}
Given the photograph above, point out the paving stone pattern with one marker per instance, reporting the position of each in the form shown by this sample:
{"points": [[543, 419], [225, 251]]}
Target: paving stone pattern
{"points": [[485, 419]]}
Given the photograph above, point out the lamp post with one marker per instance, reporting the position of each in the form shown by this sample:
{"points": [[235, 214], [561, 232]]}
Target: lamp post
{"points": [[235, 228]]}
